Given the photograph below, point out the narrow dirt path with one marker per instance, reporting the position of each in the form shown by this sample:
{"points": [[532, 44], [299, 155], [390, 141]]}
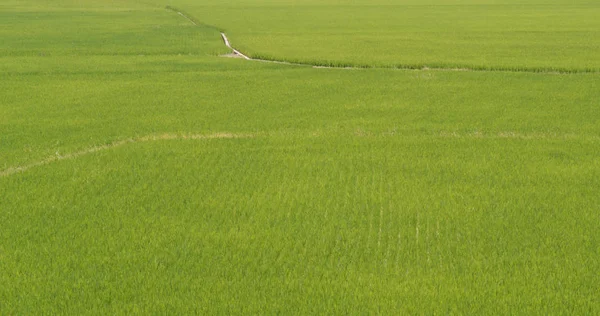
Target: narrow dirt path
{"points": [[235, 51]]}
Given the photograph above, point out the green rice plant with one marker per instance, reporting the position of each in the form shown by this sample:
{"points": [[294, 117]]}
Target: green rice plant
{"points": [[142, 174]]}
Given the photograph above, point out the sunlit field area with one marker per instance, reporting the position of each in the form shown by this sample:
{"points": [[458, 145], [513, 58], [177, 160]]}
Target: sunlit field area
{"points": [[446, 162], [512, 35]]}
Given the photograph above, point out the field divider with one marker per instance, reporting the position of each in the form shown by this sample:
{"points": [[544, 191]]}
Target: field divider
{"points": [[148, 138], [501, 135]]}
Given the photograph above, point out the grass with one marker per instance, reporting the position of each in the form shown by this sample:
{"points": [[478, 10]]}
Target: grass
{"points": [[352, 191]]}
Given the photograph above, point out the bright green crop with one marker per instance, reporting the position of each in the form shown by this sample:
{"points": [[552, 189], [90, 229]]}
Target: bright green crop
{"points": [[140, 173]]}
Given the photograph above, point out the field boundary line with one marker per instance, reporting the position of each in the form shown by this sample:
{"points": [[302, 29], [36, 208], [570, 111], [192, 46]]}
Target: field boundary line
{"points": [[143, 139], [319, 65], [225, 135], [191, 18]]}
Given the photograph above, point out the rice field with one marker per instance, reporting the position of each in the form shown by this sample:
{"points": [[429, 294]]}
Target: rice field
{"points": [[141, 173], [558, 36]]}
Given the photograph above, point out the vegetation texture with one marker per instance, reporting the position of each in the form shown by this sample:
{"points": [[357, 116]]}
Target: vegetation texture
{"points": [[140, 173], [481, 35]]}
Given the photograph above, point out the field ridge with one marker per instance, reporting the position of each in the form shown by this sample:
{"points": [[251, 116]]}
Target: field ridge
{"points": [[225, 135]]}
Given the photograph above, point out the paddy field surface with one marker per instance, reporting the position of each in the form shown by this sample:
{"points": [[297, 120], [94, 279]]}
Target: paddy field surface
{"points": [[454, 168]]}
